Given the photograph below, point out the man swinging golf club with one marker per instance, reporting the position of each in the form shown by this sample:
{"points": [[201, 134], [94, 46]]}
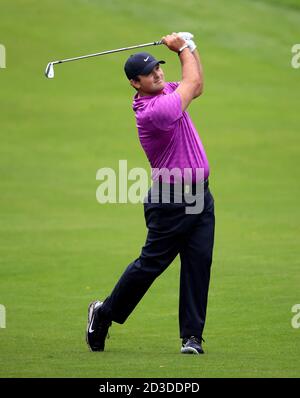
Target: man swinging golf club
{"points": [[170, 141]]}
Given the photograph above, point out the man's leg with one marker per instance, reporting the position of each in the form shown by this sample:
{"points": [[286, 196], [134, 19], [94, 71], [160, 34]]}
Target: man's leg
{"points": [[196, 259], [161, 248]]}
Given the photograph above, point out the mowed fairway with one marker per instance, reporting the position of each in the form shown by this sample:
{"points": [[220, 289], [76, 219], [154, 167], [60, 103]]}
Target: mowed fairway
{"points": [[60, 249]]}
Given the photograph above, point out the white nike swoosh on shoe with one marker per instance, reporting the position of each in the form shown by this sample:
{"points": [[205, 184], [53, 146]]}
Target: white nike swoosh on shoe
{"points": [[146, 59], [96, 305], [91, 324]]}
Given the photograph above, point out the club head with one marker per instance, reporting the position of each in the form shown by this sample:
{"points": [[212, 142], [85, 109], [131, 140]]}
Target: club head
{"points": [[49, 72]]}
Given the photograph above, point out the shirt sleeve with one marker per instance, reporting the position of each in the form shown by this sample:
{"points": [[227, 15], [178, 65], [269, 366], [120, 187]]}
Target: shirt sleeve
{"points": [[173, 85], [166, 110]]}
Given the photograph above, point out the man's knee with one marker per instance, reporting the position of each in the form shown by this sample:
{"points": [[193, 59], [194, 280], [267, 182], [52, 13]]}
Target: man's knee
{"points": [[153, 265]]}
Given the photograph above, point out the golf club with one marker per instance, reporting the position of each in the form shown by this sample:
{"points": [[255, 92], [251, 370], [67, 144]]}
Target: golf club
{"points": [[49, 72]]}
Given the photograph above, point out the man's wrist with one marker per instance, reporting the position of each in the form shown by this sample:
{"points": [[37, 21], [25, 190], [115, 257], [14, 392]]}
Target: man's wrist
{"points": [[182, 48]]}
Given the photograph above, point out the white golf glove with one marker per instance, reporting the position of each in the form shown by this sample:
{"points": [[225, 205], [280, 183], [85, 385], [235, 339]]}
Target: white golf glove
{"points": [[187, 36]]}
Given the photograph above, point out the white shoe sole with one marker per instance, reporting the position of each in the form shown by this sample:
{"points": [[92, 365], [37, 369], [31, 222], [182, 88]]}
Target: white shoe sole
{"points": [[189, 350]]}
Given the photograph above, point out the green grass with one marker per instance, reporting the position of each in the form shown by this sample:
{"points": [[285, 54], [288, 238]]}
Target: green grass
{"points": [[60, 248]]}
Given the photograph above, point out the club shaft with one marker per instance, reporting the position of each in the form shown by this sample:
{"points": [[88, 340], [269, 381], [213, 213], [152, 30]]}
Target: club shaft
{"points": [[155, 43]]}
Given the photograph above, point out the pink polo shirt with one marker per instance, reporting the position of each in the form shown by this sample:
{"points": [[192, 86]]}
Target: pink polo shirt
{"points": [[168, 136]]}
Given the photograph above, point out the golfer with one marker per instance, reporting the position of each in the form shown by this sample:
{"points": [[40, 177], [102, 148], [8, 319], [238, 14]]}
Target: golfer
{"points": [[170, 141]]}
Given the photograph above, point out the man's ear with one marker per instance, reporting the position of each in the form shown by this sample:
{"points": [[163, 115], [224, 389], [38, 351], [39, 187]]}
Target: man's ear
{"points": [[135, 83]]}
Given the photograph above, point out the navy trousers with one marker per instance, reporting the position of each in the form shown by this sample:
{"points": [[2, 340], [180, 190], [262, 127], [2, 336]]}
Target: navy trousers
{"points": [[171, 231]]}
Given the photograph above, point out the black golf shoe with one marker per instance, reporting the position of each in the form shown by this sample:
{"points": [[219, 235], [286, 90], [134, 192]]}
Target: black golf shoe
{"points": [[192, 345], [97, 327]]}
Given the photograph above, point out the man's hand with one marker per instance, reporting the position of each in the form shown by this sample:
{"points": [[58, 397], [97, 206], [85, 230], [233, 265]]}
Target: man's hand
{"points": [[174, 42], [187, 36]]}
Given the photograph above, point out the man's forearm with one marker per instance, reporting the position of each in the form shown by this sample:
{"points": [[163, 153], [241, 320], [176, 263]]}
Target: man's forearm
{"points": [[190, 86], [190, 67], [200, 70]]}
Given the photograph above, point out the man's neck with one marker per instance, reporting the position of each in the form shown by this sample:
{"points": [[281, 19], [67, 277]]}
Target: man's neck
{"points": [[144, 94]]}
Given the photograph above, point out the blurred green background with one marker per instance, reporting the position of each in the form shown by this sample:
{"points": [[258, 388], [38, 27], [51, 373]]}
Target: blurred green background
{"points": [[59, 248]]}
